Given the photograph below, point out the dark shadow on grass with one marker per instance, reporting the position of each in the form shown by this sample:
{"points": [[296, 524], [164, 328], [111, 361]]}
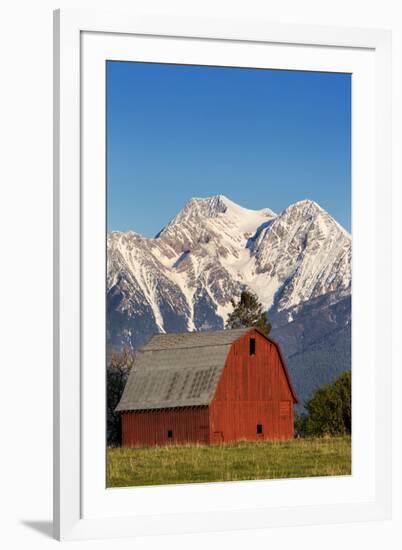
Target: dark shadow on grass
{"points": [[43, 527]]}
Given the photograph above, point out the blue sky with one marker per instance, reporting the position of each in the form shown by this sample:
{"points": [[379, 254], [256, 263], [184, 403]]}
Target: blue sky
{"points": [[264, 138]]}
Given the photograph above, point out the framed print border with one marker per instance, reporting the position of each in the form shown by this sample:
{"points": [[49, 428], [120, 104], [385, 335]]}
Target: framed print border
{"points": [[71, 211]]}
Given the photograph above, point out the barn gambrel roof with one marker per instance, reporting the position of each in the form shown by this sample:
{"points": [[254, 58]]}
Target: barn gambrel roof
{"points": [[179, 370]]}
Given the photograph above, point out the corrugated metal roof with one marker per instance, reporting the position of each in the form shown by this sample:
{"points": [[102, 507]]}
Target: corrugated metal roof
{"points": [[178, 370]]}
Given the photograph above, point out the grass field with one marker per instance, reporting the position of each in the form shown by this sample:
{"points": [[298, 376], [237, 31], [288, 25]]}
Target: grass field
{"points": [[230, 462]]}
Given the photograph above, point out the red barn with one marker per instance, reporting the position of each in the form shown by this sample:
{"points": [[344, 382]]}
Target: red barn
{"points": [[207, 387]]}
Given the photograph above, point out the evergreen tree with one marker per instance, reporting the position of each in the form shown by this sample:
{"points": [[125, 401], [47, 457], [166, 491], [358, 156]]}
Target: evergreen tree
{"points": [[117, 373], [248, 312]]}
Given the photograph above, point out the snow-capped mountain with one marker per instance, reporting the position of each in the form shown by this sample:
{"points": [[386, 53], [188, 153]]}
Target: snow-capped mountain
{"points": [[185, 278]]}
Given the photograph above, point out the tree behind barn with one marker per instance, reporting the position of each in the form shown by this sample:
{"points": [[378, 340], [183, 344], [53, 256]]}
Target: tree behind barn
{"points": [[117, 373], [248, 312]]}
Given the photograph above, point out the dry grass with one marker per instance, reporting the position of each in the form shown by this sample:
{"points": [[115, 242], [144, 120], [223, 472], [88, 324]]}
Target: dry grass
{"points": [[230, 462]]}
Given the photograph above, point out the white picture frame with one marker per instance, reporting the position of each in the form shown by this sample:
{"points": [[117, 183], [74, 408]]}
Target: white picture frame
{"points": [[83, 507]]}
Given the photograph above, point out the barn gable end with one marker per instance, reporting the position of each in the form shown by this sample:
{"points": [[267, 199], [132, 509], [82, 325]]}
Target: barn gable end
{"points": [[254, 398]]}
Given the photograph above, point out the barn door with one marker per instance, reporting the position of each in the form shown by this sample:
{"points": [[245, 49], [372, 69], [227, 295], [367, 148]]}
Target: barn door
{"points": [[217, 438]]}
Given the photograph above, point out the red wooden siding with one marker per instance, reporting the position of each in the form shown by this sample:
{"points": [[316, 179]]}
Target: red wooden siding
{"points": [[253, 389], [190, 424]]}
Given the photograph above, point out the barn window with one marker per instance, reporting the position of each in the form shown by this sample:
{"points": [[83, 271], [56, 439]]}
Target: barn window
{"points": [[284, 409], [259, 428], [252, 346], [170, 434]]}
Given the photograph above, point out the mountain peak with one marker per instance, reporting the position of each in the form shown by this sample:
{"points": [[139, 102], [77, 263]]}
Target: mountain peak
{"points": [[197, 208], [201, 208], [306, 205], [208, 206], [309, 209]]}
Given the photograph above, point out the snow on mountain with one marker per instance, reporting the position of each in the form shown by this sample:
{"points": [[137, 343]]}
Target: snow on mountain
{"points": [[185, 277], [201, 209], [305, 253]]}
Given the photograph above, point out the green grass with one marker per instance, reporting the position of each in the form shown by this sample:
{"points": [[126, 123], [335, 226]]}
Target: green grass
{"points": [[230, 462]]}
